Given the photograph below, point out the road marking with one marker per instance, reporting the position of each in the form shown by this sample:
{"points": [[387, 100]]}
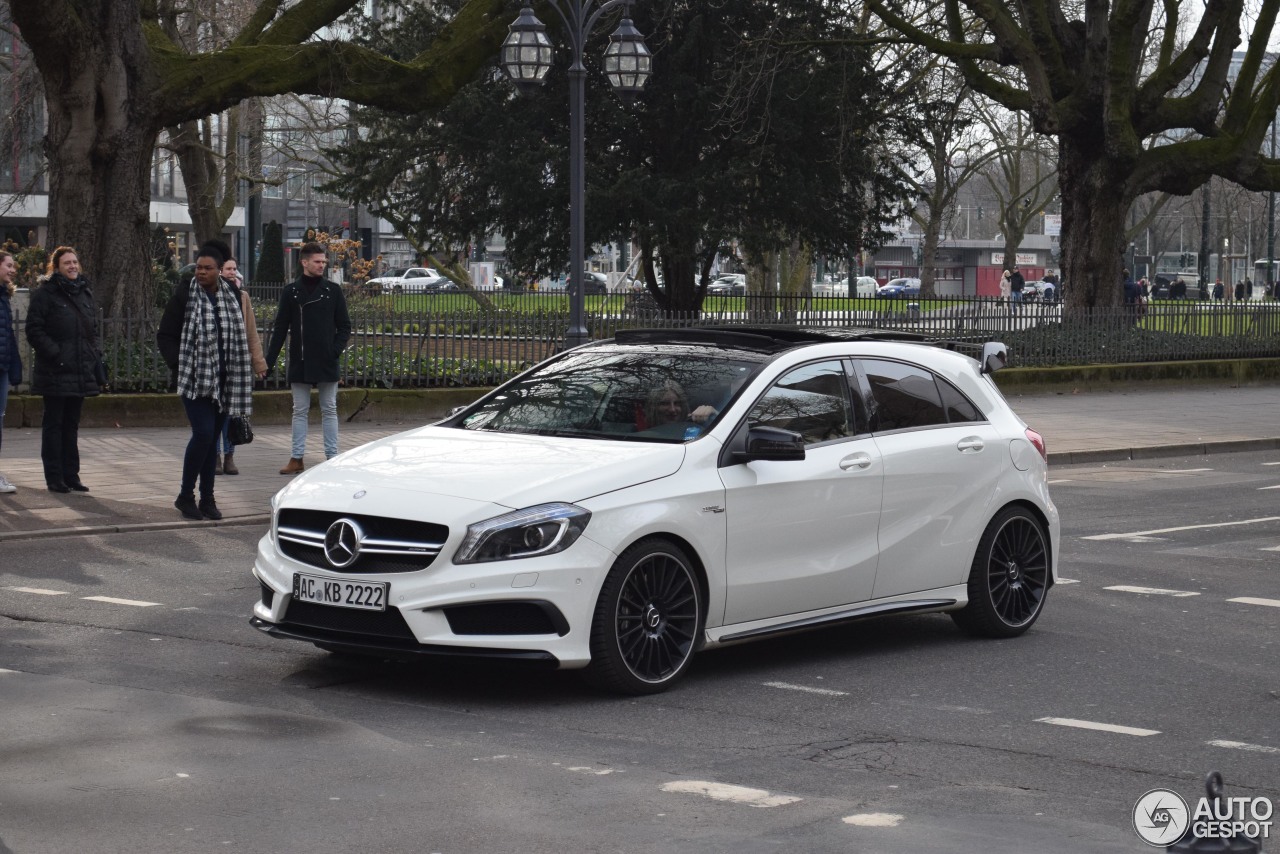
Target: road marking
{"points": [[1122, 730], [1271, 464], [40, 591], [1183, 528], [1241, 745], [726, 792], [787, 686], [1261, 488], [2, 670], [1068, 581], [1180, 471], [873, 819], [1270, 549], [1251, 600], [113, 601], [1154, 591], [1063, 480]]}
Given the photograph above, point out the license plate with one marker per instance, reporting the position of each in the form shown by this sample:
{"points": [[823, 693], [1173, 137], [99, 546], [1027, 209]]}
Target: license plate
{"points": [[365, 595]]}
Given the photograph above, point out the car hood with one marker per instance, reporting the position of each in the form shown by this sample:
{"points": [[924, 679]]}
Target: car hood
{"points": [[511, 470]]}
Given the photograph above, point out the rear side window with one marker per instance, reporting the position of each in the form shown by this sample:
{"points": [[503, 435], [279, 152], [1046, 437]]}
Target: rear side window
{"points": [[903, 396], [959, 408]]}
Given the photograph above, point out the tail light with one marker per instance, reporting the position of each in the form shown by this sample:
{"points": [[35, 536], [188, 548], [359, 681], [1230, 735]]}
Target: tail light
{"points": [[1036, 439]]}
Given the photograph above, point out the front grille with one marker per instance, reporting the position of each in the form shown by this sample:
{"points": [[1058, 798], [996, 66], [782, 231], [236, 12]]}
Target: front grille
{"points": [[507, 618], [389, 545], [383, 624]]}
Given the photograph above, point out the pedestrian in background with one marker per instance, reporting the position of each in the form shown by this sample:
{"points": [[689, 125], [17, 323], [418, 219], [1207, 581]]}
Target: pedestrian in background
{"points": [[10, 358], [1132, 298], [61, 332], [231, 275], [313, 316], [1004, 285], [1016, 284], [1218, 290], [202, 338]]}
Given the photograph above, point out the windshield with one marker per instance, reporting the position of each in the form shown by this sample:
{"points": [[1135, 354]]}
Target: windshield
{"points": [[634, 394]]}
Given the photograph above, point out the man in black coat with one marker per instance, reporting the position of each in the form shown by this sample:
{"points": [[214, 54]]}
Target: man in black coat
{"points": [[313, 316]]}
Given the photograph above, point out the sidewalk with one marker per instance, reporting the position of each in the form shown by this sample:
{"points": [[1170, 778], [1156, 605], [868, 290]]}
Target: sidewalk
{"points": [[134, 473]]}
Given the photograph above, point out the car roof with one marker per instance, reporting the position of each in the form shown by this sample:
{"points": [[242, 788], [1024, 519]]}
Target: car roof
{"points": [[764, 339]]}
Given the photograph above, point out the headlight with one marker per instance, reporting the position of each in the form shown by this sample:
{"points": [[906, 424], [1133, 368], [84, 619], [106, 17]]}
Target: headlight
{"points": [[531, 532]]}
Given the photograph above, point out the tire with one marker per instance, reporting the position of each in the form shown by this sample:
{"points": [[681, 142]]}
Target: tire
{"points": [[1009, 577], [648, 620]]}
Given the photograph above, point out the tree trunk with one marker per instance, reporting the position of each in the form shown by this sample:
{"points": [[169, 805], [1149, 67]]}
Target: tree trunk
{"points": [[928, 256], [1094, 206], [99, 148]]}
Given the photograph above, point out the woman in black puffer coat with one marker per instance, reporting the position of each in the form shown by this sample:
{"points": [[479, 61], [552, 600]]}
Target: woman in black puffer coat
{"points": [[62, 333]]}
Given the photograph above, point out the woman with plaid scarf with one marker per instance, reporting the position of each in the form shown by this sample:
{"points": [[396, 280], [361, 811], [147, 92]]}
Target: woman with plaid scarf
{"points": [[202, 337]]}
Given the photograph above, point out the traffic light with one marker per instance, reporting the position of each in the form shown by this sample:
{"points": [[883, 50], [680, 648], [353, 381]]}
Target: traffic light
{"points": [[979, 213], [1183, 261]]}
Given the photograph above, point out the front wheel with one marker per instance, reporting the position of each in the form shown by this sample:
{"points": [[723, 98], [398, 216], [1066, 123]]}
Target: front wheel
{"points": [[1009, 577], [647, 620]]}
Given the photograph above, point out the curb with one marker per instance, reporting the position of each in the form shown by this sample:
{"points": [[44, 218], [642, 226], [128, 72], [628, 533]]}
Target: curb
{"points": [[135, 527], [1151, 452]]}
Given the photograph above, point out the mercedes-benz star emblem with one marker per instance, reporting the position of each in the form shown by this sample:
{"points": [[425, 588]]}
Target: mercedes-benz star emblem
{"points": [[342, 543]]}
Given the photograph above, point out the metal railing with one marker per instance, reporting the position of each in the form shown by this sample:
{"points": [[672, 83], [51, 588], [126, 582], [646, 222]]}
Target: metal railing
{"points": [[447, 340]]}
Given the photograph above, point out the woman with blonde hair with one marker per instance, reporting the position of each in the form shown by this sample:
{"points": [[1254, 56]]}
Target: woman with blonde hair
{"points": [[10, 358], [666, 404], [62, 331]]}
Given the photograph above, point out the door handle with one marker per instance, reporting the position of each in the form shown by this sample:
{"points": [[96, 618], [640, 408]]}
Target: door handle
{"points": [[859, 460], [970, 443]]}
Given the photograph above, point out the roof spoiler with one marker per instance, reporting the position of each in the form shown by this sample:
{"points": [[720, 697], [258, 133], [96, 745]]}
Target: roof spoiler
{"points": [[995, 355]]}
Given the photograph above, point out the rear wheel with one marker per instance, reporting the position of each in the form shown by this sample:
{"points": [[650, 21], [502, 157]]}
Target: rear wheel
{"points": [[647, 620], [1009, 577]]}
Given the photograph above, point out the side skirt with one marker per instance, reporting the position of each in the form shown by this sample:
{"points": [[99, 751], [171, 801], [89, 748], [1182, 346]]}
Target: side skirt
{"points": [[848, 615]]}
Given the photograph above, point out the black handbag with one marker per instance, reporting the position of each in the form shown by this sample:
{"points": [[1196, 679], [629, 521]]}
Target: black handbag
{"points": [[240, 431]]}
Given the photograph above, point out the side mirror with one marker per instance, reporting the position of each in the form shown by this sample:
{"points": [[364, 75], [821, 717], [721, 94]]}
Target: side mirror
{"points": [[995, 356], [772, 443]]}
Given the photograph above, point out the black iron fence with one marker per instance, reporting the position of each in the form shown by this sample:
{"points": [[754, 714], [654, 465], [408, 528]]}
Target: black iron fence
{"points": [[444, 339]]}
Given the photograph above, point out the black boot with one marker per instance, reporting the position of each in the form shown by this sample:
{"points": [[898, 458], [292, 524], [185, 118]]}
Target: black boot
{"points": [[209, 509], [187, 504]]}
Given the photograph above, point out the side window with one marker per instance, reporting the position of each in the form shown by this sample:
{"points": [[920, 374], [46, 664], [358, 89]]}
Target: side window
{"points": [[903, 396], [959, 408], [812, 400]]}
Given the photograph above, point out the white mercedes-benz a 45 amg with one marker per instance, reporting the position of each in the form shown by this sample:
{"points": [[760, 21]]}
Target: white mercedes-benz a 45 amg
{"points": [[630, 502]]}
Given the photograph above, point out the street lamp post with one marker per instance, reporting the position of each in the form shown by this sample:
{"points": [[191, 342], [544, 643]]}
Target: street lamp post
{"points": [[526, 58]]}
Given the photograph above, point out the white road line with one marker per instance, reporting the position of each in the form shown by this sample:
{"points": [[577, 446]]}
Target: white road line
{"points": [[1063, 480], [1241, 745], [40, 591], [2, 670], [1252, 600], [1270, 549], [787, 686], [726, 792], [1261, 488], [1271, 464], [873, 819], [1067, 581], [1179, 471], [1122, 730], [1183, 528], [113, 601], [1154, 591]]}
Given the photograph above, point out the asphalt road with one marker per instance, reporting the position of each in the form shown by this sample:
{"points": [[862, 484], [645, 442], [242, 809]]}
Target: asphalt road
{"points": [[175, 727]]}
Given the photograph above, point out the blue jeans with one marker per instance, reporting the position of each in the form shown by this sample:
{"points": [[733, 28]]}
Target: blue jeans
{"points": [[4, 399], [328, 417], [201, 457]]}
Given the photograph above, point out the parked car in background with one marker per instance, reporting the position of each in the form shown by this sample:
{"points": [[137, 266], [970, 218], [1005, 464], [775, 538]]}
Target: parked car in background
{"points": [[1168, 286], [408, 280], [863, 286], [669, 491], [731, 284], [596, 284], [898, 288]]}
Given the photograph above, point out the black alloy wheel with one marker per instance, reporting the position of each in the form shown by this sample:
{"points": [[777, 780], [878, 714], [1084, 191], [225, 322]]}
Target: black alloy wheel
{"points": [[647, 621], [1009, 576]]}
